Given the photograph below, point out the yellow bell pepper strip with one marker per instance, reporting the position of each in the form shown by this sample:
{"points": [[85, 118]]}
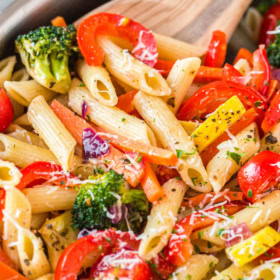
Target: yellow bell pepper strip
{"points": [[249, 249], [218, 122]]}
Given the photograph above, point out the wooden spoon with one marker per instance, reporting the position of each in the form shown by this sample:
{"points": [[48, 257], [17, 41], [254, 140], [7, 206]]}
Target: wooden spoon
{"points": [[188, 20]]}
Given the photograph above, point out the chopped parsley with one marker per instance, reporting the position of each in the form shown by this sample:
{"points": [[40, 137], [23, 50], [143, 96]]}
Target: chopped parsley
{"points": [[183, 155], [258, 103], [250, 193], [235, 156]]}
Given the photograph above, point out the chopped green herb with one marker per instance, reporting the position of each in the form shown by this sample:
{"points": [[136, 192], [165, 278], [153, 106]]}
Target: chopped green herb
{"points": [[81, 84], [139, 159], [200, 234], [183, 155], [235, 156], [196, 249], [258, 103], [250, 193], [220, 231], [123, 119]]}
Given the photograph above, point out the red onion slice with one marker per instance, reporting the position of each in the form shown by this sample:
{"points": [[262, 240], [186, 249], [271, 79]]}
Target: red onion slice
{"points": [[93, 145], [84, 109]]}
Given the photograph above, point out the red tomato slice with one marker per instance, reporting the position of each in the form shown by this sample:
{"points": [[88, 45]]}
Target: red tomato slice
{"points": [[118, 26], [259, 174], [216, 53], [214, 94], [122, 264], [6, 111]]}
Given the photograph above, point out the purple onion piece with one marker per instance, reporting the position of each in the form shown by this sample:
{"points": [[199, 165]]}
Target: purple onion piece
{"points": [[237, 234], [118, 213], [93, 145], [84, 109]]}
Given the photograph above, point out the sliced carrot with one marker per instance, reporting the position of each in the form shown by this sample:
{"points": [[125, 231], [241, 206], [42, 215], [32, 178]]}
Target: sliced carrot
{"points": [[247, 118], [273, 86], [125, 101], [7, 273], [206, 74], [59, 22], [115, 159], [151, 154], [244, 53], [206, 198], [150, 184]]}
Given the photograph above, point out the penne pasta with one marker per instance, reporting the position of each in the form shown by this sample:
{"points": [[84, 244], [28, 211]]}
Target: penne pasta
{"points": [[9, 174], [195, 268], [111, 118], [243, 66], [162, 219], [22, 120], [17, 216], [37, 220], [24, 92], [232, 154], [33, 261], [131, 71], [271, 141], [98, 81], [55, 198], [256, 216], [20, 75], [173, 137], [180, 79], [49, 276], [6, 69], [52, 131], [173, 49]]}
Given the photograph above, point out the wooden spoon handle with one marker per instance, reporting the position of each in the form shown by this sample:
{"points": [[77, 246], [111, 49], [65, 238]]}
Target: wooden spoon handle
{"points": [[189, 20]]}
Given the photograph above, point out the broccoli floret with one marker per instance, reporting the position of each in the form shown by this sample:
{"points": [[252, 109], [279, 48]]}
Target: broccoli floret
{"points": [[273, 51], [106, 201], [46, 52]]}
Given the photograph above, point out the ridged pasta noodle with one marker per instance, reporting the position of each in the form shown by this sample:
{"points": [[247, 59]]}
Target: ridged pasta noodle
{"points": [[173, 137], [6, 69], [133, 72], [162, 219], [97, 80], [9, 174], [52, 131], [25, 91], [271, 141], [111, 118], [222, 166], [20, 75], [180, 79]]}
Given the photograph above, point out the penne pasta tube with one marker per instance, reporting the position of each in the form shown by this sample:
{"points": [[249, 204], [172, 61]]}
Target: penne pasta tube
{"points": [[271, 141], [173, 49], [243, 66], [52, 131], [6, 69], [195, 268], [131, 71], [24, 92], [17, 216], [22, 134], [232, 155], [21, 153], [162, 219], [38, 219], [266, 271], [33, 261], [22, 120], [173, 137], [55, 198], [111, 118], [256, 216], [180, 79], [49, 276], [9, 174], [20, 75], [98, 81]]}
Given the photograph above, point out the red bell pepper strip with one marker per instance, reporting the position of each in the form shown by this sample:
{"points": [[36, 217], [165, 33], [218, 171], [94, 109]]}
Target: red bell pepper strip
{"points": [[6, 110], [272, 115], [165, 173], [212, 95], [115, 159], [103, 242], [259, 174], [115, 25], [269, 23], [230, 74], [8, 273], [245, 54], [179, 248], [132, 267], [207, 74], [206, 198], [261, 71], [273, 253], [246, 119], [45, 171], [164, 67], [272, 89], [6, 260], [216, 53], [2, 203]]}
